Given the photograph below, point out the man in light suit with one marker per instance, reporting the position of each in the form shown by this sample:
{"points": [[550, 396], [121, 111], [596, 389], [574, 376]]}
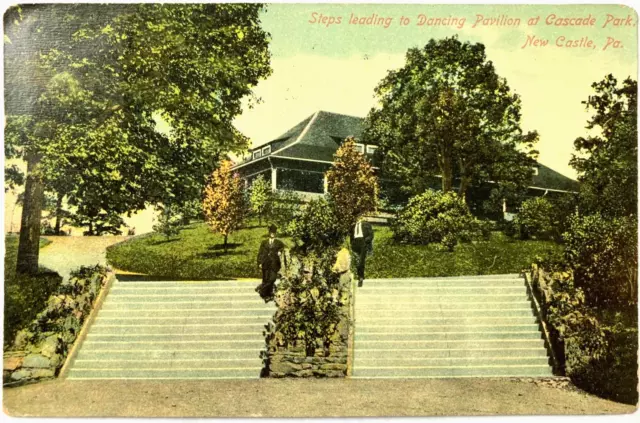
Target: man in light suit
{"points": [[269, 262], [361, 238]]}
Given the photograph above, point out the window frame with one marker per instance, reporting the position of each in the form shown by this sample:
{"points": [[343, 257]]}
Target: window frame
{"points": [[256, 154], [360, 148], [266, 150], [371, 147]]}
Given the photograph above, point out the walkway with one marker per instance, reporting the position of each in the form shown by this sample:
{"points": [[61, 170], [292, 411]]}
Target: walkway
{"points": [[300, 398], [67, 253]]}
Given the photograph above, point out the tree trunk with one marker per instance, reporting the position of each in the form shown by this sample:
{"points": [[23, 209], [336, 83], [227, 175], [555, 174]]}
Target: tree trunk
{"points": [[447, 173], [225, 243], [464, 186], [29, 244], [58, 213]]}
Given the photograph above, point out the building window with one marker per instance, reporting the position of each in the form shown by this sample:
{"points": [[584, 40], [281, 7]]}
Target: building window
{"points": [[256, 154], [360, 148], [300, 180], [266, 150], [371, 149]]}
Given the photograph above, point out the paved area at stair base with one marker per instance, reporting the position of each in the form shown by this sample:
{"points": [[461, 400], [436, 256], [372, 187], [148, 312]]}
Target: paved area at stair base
{"points": [[301, 398]]}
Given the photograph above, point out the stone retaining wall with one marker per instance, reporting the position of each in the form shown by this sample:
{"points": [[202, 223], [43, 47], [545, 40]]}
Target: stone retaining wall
{"points": [[293, 362], [330, 360], [40, 349]]}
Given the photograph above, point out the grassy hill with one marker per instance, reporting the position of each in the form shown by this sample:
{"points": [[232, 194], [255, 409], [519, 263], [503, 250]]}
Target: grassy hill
{"points": [[196, 253]]}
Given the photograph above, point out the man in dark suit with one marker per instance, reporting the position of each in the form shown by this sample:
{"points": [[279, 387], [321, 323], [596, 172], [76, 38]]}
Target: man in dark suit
{"points": [[269, 262], [361, 238]]}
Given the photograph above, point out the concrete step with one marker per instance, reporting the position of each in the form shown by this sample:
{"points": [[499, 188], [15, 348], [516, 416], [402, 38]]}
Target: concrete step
{"points": [[130, 345], [177, 290], [195, 353], [380, 315], [241, 298], [187, 284], [511, 276], [203, 336], [405, 299], [193, 304], [169, 364], [167, 321], [464, 306], [161, 373], [471, 326], [175, 329], [385, 362], [417, 284], [186, 313], [388, 292], [449, 343], [492, 334], [384, 351], [444, 372]]}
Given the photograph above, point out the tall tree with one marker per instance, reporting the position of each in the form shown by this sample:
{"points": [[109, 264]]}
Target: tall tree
{"points": [[224, 201], [113, 72], [447, 114], [352, 185], [607, 161]]}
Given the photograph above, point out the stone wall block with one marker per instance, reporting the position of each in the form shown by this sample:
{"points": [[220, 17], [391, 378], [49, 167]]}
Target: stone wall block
{"points": [[36, 361]]}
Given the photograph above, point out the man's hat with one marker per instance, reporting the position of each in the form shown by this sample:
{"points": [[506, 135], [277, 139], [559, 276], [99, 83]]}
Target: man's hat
{"points": [[273, 229]]}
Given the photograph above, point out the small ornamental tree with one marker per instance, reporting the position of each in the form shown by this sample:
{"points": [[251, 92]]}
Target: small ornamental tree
{"points": [[259, 196], [352, 185], [224, 203]]}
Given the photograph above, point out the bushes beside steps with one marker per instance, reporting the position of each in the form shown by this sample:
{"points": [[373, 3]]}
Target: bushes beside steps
{"points": [[41, 347]]}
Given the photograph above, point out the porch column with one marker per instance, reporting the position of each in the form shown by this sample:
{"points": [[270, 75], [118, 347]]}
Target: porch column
{"points": [[325, 184], [274, 179]]}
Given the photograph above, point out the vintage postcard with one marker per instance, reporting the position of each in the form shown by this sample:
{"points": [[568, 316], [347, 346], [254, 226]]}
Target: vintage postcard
{"points": [[320, 210]]}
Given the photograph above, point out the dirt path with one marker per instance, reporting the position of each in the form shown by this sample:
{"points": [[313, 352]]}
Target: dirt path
{"points": [[301, 398], [66, 253]]}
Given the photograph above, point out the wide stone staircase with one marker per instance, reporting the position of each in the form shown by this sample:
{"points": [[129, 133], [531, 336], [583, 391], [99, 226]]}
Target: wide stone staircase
{"points": [[476, 326], [176, 330]]}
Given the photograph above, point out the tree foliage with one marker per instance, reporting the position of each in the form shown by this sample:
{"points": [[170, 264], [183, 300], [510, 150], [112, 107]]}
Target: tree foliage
{"points": [[260, 195], [224, 202], [315, 228], [607, 162], [95, 89], [447, 114], [352, 185]]}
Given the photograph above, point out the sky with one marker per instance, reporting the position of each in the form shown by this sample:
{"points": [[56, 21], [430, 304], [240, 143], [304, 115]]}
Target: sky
{"points": [[336, 67]]}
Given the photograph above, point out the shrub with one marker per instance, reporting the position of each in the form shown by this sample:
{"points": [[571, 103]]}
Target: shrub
{"points": [[436, 217], [314, 228], [169, 221], [599, 346], [544, 218], [311, 302], [535, 219], [282, 209], [260, 195], [604, 256]]}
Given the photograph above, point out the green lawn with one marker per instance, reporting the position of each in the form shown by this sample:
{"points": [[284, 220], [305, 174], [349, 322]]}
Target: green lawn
{"points": [[197, 254], [24, 296], [500, 254]]}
